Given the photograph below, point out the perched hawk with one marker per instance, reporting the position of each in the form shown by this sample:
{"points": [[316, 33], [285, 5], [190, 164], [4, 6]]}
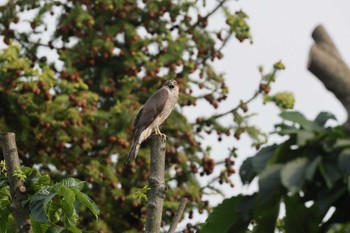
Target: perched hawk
{"points": [[153, 113]]}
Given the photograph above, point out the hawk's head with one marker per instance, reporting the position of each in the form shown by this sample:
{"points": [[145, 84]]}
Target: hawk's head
{"points": [[171, 84]]}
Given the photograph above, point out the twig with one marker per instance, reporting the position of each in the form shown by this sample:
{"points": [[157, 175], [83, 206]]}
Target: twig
{"points": [[157, 185], [17, 189], [178, 215]]}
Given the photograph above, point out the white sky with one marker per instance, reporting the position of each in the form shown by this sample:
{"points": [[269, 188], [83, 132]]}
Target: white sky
{"points": [[281, 31]]}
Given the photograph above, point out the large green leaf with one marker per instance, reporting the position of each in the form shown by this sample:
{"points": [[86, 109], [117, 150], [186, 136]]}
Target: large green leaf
{"points": [[293, 174], [323, 117], [66, 193], [256, 164], [70, 215], [297, 117], [226, 217], [73, 183], [269, 183], [86, 200], [266, 220], [38, 204], [299, 218]]}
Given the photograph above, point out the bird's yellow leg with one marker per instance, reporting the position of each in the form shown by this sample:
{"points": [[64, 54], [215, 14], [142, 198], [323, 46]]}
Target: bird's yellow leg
{"points": [[157, 131]]}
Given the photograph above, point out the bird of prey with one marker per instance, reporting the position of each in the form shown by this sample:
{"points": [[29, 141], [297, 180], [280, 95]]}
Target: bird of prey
{"points": [[153, 113]]}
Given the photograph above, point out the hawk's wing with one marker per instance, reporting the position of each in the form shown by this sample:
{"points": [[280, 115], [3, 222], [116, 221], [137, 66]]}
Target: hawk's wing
{"points": [[152, 108]]}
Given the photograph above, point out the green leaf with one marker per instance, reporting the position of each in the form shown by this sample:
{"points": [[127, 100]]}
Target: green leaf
{"points": [[266, 220], [293, 174], [38, 204], [55, 229], [225, 217], [330, 173], [299, 218], [11, 227], [86, 200], [269, 183], [39, 227], [54, 212], [67, 193], [73, 183], [3, 181], [74, 230], [70, 215], [344, 162], [256, 164], [297, 117], [304, 136], [311, 169], [323, 117], [4, 215]]}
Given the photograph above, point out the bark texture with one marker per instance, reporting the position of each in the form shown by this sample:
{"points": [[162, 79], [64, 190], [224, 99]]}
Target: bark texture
{"points": [[20, 214], [326, 63], [156, 183]]}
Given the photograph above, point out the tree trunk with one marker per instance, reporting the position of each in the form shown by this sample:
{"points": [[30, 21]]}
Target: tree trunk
{"points": [[156, 183], [17, 189]]}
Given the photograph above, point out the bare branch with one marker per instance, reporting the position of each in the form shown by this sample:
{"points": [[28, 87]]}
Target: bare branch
{"points": [[327, 65], [178, 215]]}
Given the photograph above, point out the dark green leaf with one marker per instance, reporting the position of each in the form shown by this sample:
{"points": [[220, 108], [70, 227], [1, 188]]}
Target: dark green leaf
{"points": [[86, 200], [3, 181], [269, 183], [293, 174], [225, 217], [266, 220], [38, 204], [323, 117], [256, 164], [299, 218], [297, 117], [344, 162], [4, 215], [311, 168], [330, 173]]}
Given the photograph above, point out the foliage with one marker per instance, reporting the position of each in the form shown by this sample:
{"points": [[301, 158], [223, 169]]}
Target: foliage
{"points": [[53, 207], [74, 72], [308, 173]]}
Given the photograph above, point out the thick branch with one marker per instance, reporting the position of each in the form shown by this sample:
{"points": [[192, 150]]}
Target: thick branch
{"points": [[327, 65], [20, 214], [178, 215], [157, 184]]}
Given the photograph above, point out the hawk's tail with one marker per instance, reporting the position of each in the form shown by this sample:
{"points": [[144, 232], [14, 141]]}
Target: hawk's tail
{"points": [[133, 152], [135, 146]]}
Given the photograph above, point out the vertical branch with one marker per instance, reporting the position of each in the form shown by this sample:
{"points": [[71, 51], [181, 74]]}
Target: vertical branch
{"points": [[178, 215], [156, 182], [17, 189]]}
